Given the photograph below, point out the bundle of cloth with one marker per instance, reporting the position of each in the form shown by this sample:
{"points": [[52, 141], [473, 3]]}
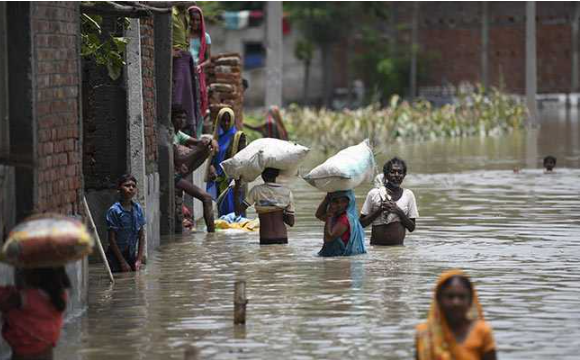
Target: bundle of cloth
{"points": [[233, 221]]}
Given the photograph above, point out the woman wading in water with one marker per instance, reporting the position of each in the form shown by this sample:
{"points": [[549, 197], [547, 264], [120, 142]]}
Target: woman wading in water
{"points": [[455, 328], [391, 209]]}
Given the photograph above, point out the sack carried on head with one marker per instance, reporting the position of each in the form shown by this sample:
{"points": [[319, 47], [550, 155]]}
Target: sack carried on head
{"points": [[47, 240], [264, 153], [345, 170]]}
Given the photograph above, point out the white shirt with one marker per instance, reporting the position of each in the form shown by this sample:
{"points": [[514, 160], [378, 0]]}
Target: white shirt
{"points": [[376, 196], [269, 197]]}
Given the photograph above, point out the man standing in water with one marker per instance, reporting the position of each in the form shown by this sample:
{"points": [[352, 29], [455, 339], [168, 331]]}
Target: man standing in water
{"points": [[391, 209], [274, 204]]}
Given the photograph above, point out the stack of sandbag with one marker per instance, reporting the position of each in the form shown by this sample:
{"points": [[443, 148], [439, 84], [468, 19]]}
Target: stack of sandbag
{"points": [[264, 153], [46, 240], [224, 81], [344, 171]]}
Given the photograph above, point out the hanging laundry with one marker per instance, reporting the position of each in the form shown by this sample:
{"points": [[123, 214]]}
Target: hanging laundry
{"points": [[236, 20]]}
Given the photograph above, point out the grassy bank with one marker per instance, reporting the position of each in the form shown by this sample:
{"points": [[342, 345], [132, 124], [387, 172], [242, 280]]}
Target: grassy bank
{"points": [[473, 114]]}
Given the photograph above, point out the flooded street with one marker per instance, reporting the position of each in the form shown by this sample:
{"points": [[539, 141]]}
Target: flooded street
{"points": [[516, 234]]}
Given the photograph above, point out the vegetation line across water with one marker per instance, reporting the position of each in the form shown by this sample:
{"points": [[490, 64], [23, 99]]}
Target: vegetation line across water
{"points": [[473, 113]]}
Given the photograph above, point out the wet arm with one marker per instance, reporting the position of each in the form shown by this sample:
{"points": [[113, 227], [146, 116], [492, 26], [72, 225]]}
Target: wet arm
{"points": [[408, 223], [192, 142], [321, 211], [288, 218], [239, 207], [332, 232], [366, 220], [141, 244]]}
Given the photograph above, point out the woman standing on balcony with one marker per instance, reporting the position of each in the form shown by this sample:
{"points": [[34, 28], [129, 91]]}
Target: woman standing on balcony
{"points": [[200, 49]]}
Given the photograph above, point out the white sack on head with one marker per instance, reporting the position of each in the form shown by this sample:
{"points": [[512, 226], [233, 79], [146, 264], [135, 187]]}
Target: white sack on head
{"points": [[264, 153], [345, 170]]}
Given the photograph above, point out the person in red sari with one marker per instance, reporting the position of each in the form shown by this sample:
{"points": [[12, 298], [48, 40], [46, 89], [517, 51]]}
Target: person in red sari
{"points": [[200, 50], [273, 127]]}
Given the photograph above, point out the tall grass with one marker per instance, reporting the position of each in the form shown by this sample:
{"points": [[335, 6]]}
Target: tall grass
{"points": [[474, 113]]}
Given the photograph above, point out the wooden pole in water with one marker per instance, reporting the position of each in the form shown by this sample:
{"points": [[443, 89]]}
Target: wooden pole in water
{"points": [[98, 240], [240, 302]]}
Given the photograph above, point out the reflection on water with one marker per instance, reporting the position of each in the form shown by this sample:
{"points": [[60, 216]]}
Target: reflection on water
{"points": [[518, 235]]}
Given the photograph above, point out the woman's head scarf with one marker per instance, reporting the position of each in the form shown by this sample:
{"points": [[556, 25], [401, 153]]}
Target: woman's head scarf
{"points": [[190, 11], [437, 342]]}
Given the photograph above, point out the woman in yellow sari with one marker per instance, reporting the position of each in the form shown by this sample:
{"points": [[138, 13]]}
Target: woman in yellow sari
{"points": [[455, 328]]}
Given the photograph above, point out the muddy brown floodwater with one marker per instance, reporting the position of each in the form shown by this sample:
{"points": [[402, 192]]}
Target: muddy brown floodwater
{"points": [[517, 235]]}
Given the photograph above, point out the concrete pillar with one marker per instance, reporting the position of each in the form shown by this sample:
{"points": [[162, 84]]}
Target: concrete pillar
{"points": [[7, 190], [163, 83], [575, 48], [274, 53], [414, 48], [531, 71], [485, 45], [136, 126]]}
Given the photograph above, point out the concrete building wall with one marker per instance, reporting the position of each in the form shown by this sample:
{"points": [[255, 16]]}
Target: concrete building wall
{"points": [[225, 41], [153, 214]]}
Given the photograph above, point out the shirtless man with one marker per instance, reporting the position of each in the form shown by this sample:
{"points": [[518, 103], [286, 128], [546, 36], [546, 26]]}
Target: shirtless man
{"points": [[391, 209], [275, 207]]}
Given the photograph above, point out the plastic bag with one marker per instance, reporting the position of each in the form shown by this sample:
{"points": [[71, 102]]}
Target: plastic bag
{"points": [[264, 153], [345, 170]]}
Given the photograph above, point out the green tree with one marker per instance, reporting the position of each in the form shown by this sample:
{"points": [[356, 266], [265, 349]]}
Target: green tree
{"points": [[325, 24]]}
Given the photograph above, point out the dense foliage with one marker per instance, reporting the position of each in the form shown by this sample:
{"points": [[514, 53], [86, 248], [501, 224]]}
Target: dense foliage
{"points": [[105, 49], [473, 113]]}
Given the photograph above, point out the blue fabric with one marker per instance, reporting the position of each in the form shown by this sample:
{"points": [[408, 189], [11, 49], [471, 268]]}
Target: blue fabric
{"points": [[126, 225], [232, 218], [224, 140], [225, 203], [356, 242], [195, 44]]}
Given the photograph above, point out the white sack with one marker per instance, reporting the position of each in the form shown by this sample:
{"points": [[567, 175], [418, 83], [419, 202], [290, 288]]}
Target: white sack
{"points": [[345, 170], [264, 153]]}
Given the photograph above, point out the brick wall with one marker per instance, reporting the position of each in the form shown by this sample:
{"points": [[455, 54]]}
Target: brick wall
{"points": [[450, 36], [55, 27], [149, 101]]}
